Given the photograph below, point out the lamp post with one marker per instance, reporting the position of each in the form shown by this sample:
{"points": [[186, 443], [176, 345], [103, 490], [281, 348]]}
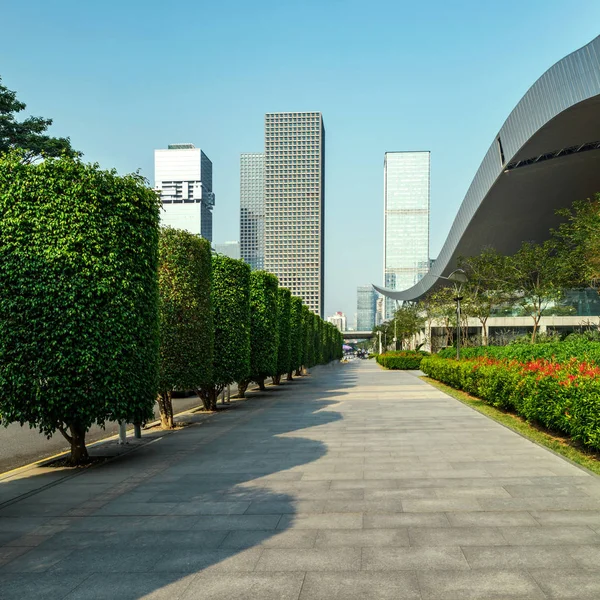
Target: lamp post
{"points": [[458, 278]]}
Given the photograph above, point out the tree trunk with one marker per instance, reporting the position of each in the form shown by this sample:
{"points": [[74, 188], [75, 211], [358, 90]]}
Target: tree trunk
{"points": [[276, 379], [242, 387], [298, 372], [261, 383], [213, 395], [79, 453], [535, 328], [165, 406], [289, 376]]}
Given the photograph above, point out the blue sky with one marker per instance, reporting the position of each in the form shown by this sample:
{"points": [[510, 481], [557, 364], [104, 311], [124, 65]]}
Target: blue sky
{"points": [[123, 78]]}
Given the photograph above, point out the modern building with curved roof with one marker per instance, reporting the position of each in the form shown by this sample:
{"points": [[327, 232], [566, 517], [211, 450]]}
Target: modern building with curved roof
{"points": [[545, 156]]}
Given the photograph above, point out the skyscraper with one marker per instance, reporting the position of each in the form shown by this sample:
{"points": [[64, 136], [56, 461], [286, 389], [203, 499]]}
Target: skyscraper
{"points": [[366, 307], [295, 202], [252, 209], [406, 220], [183, 176]]}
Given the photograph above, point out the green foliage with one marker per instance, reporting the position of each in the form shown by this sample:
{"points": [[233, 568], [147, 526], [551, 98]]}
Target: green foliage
{"points": [[284, 330], [231, 321], [573, 347], [186, 322], [297, 344], [27, 135], [563, 397], [403, 359], [264, 336], [78, 297], [310, 320]]}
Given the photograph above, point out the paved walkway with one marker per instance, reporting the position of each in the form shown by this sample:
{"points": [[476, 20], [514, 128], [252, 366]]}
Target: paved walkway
{"points": [[354, 483]]}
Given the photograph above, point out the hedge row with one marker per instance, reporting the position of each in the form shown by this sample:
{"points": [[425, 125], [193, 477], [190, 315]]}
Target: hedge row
{"points": [[100, 312], [556, 351], [405, 360], [561, 396]]}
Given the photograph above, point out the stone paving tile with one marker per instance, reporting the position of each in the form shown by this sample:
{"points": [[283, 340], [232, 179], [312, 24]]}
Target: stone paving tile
{"points": [[413, 558], [537, 536], [478, 585], [290, 538], [456, 536], [518, 557], [568, 583], [360, 586], [491, 519], [310, 559], [362, 538], [566, 517], [191, 560], [322, 521], [245, 586], [42, 586], [131, 586], [388, 521]]}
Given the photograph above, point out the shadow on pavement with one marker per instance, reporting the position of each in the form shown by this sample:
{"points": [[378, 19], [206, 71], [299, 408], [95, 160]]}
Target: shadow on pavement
{"points": [[207, 499]]}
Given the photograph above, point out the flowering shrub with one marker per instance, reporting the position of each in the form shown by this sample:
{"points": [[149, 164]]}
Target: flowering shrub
{"points": [[403, 359], [563, 396]]}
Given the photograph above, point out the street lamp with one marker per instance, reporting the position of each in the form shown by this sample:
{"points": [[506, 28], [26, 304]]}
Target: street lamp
{"points": [[458, 278]]}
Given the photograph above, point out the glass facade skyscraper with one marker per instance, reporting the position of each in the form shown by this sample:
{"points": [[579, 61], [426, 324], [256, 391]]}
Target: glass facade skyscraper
{"points": [[406, 220], [366, 307], [252, 209], [295, 202]]}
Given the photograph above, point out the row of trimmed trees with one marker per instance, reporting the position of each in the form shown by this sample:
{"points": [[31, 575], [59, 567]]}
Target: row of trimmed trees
{"points": [[101, 312], [220, 324]]}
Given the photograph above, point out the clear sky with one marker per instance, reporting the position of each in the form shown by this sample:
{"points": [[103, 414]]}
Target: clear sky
{"points": [[123, 78]]}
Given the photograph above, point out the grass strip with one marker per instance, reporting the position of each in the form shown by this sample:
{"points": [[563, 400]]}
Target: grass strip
{"points": [[553, 441]]}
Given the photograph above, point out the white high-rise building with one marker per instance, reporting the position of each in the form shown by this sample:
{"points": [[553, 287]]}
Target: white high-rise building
{"points": [[183, 176], [339, 320], [294, 171], [406, 221], [231, 249]]}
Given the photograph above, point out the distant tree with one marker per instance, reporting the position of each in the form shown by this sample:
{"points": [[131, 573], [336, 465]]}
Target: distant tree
{"points": [[407, 322], [186, 321], [78, 297], [578, 239], [28, 135], [441, 308], [538, 275], [488, 286], [230, 299]]}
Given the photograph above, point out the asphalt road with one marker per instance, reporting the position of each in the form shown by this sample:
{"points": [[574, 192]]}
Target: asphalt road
{"points": [[21, 445]]}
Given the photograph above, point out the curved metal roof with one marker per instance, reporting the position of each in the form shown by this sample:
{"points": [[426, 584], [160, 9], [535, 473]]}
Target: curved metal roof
{"points": [[545, 156]]}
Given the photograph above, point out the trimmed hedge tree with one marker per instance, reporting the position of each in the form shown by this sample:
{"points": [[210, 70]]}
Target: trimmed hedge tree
{"points": [[231, 321], [78, 297], [296, 337], [186, 322], [264, 337], [284, 298]]}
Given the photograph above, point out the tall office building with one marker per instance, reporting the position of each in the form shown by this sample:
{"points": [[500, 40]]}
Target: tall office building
{"points": [[183, 176], [406, 221], [366, 307], [295, 203], [252, 209]]}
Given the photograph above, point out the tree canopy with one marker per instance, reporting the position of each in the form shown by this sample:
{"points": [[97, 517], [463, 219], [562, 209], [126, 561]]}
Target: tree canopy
{"points": [[28, 135]]}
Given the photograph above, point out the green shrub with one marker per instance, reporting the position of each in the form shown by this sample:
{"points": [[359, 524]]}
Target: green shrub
{"points": [[284, 298], [296, 336], [78, 297], [230, 294], [186, 322], [401, 359], [264, 336]]}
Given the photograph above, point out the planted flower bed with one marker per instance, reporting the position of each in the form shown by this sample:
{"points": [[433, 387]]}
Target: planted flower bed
{"points": [[560, 395], [406, 360]]}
